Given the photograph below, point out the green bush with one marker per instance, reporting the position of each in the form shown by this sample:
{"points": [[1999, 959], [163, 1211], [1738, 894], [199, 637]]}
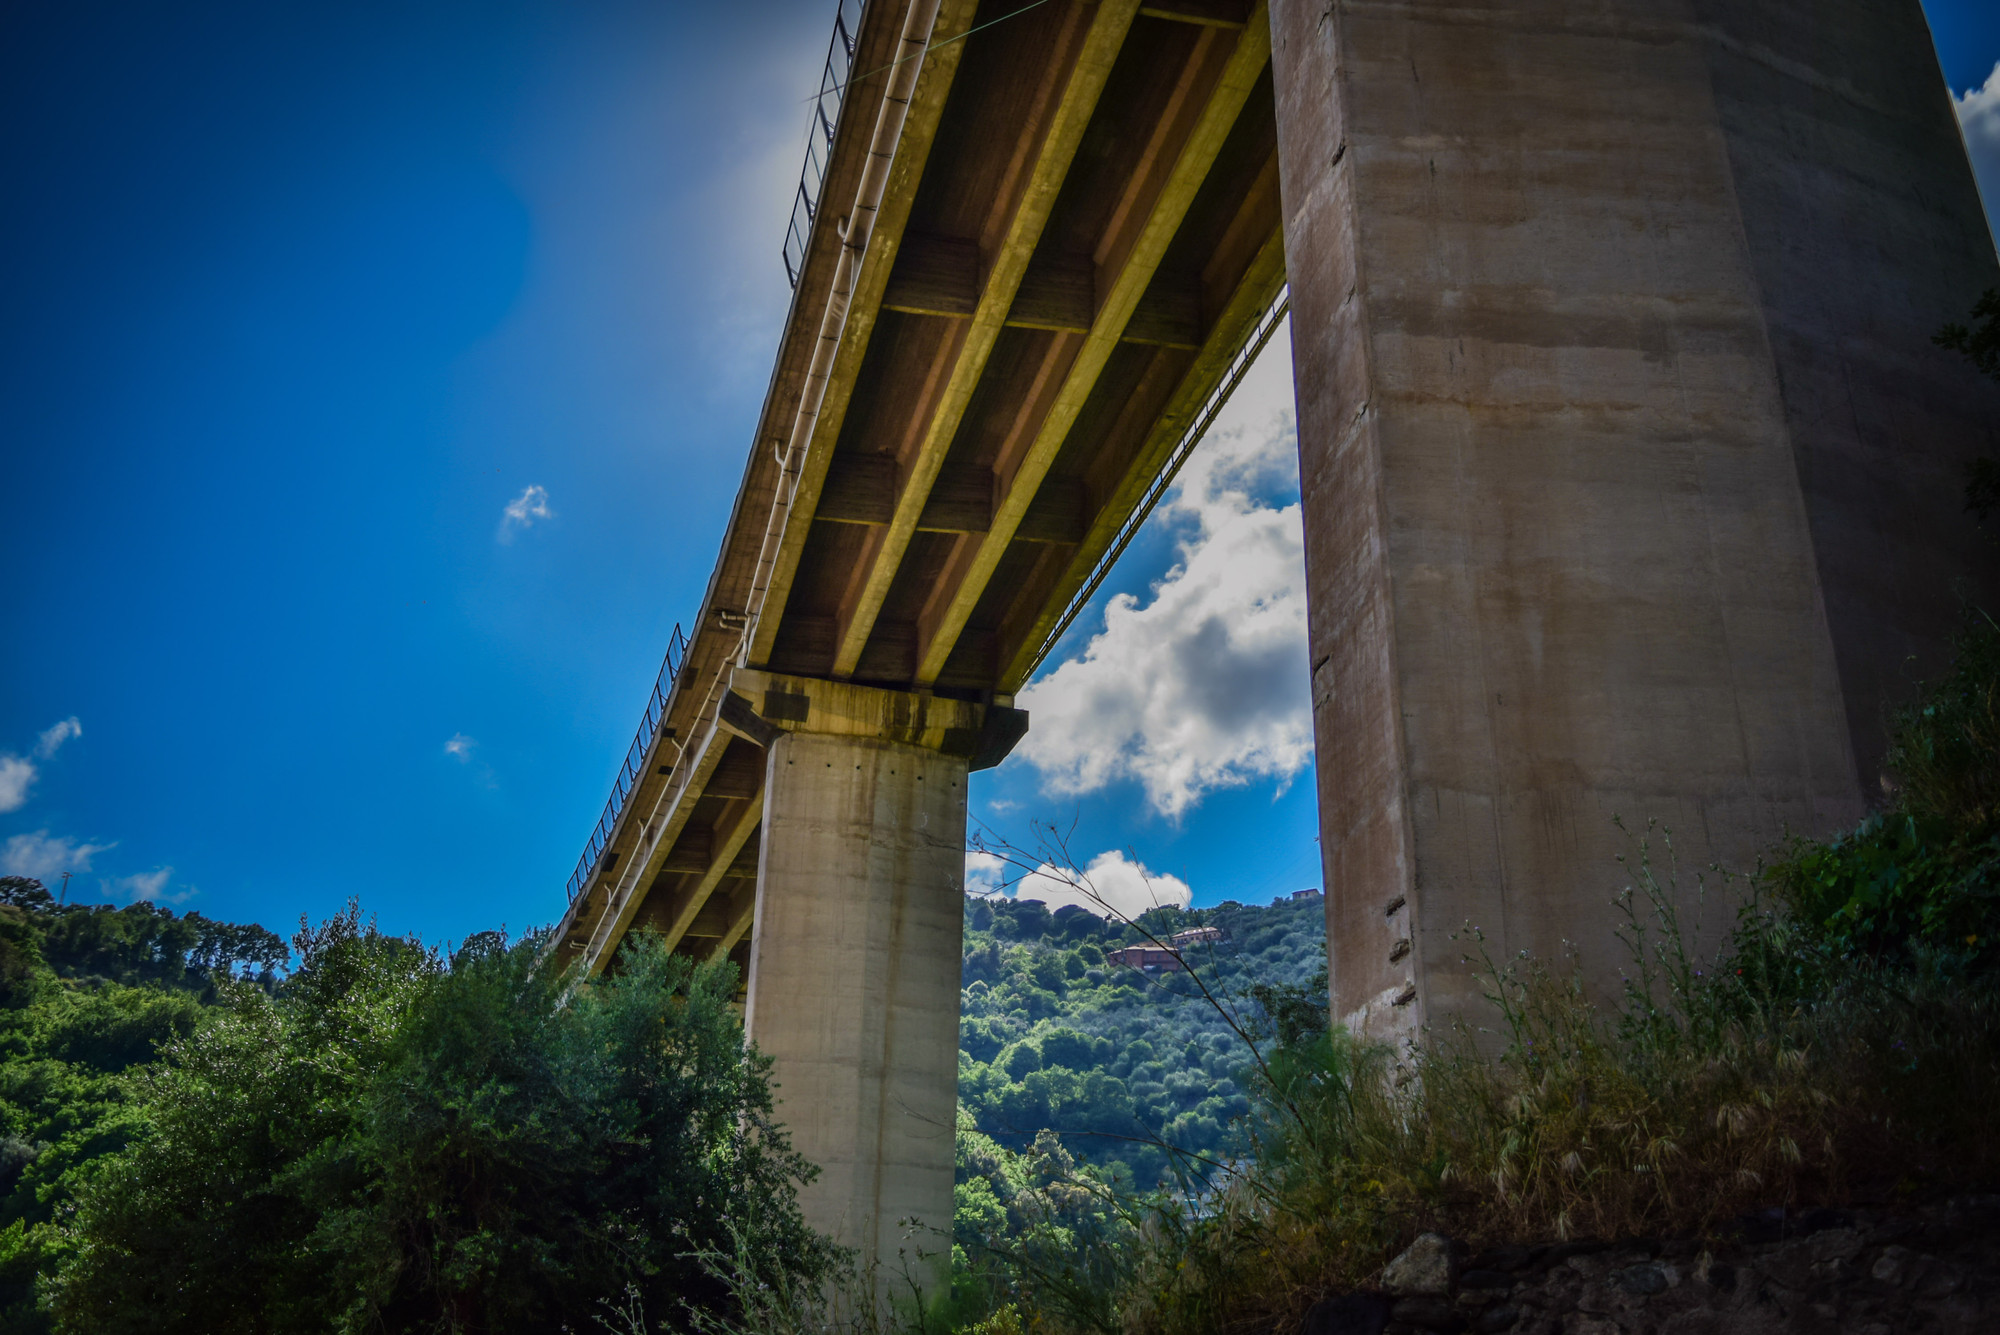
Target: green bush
{"points": [[394, 1142], [1922, 877]]}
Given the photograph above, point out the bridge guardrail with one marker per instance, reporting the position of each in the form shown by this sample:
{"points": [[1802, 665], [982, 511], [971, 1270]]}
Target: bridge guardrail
{"points": [[833, 82], [634, 766], [825, 119]]}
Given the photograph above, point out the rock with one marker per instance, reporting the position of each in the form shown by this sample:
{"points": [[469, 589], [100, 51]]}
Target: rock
{"points": [[1349, 1314], [1424, 1267], [1641, 1281], [1926, 1270], [1429, 1313], [1938, 1281], [1697, 1322], [1894, 1265], [1564, 1251], [1836, 1244]]}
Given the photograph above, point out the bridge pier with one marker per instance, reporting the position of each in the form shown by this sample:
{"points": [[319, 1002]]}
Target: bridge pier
{"points": [[855, 957], [1631, 480]]}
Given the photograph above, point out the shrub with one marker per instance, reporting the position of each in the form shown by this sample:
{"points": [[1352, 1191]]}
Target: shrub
{"points": [[400, 1143]]}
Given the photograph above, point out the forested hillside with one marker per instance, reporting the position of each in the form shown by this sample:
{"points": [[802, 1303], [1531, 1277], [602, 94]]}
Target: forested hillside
{"points": [[88, 993], [1117, 1058]]}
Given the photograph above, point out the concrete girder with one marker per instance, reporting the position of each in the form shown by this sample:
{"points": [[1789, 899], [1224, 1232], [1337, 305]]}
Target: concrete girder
{"points": [[1096, 38], [934, 84], [728, 841], [1156, 200]]}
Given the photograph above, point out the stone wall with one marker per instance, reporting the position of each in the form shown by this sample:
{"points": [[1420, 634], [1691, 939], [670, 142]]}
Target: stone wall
{"points": [[1861, 1272]]}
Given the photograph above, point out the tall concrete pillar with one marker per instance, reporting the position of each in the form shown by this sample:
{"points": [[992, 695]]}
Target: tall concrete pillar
{"points": [[1631, 479], [855, 956]]}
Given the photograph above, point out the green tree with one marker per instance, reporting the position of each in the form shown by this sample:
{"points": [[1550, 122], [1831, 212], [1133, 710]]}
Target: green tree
{"points": [[1979, 343], [398, 1143]]}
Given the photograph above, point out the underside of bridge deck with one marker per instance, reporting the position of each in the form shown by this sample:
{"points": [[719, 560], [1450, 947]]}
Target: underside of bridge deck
{"points": [[1094, 234], [1080, 232]]}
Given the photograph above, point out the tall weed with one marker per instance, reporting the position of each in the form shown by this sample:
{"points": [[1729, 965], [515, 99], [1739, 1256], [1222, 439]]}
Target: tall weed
{"points": [[1710, 1088]]}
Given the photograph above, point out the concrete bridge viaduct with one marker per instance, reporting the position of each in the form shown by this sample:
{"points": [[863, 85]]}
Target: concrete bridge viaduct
{"points": [[1631, 479]]}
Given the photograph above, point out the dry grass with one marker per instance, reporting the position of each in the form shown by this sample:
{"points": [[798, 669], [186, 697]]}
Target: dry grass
{"points": [[1702, 1095]]}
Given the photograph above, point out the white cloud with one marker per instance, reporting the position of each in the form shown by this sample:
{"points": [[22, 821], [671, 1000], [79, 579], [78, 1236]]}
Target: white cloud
{"points": [[45, 858], [985, 873], [1112, 886], [53, 739], [523, 512], [147, 886], [1203, 686], [16, 777], [459, 748], [1979, 114]]}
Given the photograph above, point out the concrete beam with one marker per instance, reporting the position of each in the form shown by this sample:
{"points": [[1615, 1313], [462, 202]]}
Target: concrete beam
{"points": [[1210, 13], [1185, 144], [659, 829], [742, 912], [938, 275], [1022, 644], [1065, 114], [920, 124], [726, 841]]}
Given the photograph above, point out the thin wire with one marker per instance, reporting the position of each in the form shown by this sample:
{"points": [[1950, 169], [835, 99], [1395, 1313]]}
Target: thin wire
{"points": [[840, 90]]}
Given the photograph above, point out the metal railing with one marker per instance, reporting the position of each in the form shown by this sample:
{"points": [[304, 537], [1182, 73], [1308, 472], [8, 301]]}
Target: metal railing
{"points": [[819, 134], [634, 766]]}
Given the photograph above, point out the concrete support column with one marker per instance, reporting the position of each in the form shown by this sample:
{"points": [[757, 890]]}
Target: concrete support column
{"points": [[1614, 506], [855, 957]]}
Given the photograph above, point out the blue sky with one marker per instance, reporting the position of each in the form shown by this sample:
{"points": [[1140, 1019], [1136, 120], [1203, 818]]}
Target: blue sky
{"points": [[299, 298]]}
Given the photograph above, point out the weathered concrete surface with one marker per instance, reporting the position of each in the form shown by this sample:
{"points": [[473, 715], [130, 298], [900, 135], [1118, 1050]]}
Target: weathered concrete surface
{"points": [[854, 965], [1558, 384], [1865, 233]]}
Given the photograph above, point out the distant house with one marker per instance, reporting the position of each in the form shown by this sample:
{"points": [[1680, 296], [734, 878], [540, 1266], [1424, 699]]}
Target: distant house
{"points": [[1147, 957], [1305, 894], [1198, 936]]}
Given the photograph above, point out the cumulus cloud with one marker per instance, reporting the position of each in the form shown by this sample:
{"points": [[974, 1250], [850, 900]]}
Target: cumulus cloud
{"points": [[1203, 685], [459, 748], [524, 511], [1112, 886], [16, 777], [147, 886], [53, 738], [18, 773], [1979, 114], [44, 857], [985, 873]]}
